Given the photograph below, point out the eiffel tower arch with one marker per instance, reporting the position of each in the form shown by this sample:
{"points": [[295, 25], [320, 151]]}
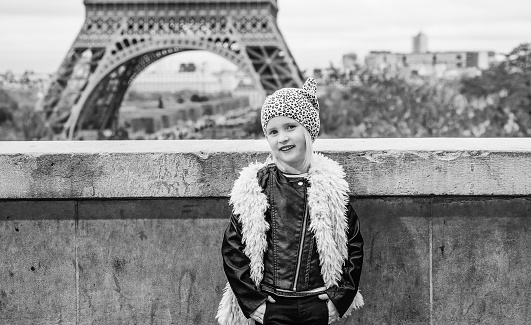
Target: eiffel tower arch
{"points": [[120, 38]]}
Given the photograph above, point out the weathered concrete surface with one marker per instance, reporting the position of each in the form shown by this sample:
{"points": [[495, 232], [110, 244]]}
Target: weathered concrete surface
{"points": [[395, 281], [159, 265], [117, 169], [37, 264], [111, 261], [161, 208], [149, 271], [481, 261], [207, 168], [438, 260]]}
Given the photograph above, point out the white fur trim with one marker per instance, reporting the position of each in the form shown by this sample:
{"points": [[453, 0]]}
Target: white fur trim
{"points": [[229, 312], [250, 204], [327, 199], [357, 303]]}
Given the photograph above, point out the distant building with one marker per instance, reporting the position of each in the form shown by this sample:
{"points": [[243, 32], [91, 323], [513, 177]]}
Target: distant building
{"points": [[152, 119], [422, 62], [199, 79], [380, 60], [256, 98], [26, 80], [318, 73], [326, 74], [350, 60], [187, 78], [187, 67], [428, 63], [420, 43]]}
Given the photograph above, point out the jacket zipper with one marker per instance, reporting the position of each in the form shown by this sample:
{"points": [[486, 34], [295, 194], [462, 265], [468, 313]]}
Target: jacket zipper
{"points": [[299, 258]]}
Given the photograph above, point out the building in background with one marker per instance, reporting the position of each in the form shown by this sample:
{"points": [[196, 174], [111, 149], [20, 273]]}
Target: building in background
{"points": [[420, 43], [200, 78], [186, 76], [350, 62], [426, 63], [247, 90], [26, 80]]}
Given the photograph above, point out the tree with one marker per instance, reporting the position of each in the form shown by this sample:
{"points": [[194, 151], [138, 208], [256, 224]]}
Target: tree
{"points": [[31, 124], [7, 107], [505, 92], [5, 115], [520, 57], [390, 106], [254, 127]]}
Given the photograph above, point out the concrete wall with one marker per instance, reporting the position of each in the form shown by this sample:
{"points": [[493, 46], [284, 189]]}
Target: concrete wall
{"points": [[130, 232]]}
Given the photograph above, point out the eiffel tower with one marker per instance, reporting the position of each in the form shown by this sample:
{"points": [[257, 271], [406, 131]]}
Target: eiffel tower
{"points": [[120, 38]]}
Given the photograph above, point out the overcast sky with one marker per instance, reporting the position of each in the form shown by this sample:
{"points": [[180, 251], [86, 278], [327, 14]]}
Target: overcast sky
{"points": [[36, 34]]}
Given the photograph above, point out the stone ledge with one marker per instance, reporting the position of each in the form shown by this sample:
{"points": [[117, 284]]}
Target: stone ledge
{"points": [[207, 168]]}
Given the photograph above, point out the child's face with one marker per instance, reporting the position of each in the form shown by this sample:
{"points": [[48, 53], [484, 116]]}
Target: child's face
{"points": [[287, 142]]}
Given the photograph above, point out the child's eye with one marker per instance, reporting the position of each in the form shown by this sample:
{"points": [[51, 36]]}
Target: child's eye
{"points": [[291, 127], [272, 132]]}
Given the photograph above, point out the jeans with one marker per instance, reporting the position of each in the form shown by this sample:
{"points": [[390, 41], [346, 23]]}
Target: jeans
{"points": [[305, 310]]}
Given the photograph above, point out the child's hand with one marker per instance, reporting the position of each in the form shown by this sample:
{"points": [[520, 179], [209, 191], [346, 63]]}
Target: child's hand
{"points": [[333, 315], [258, 314]]}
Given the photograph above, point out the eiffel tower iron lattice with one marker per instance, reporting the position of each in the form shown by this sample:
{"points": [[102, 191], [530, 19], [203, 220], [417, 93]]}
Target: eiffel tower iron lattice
{"points": [[120, 38]]}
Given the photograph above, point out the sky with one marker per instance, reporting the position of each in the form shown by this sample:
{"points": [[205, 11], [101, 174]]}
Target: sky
{"points": [[36, 34]]}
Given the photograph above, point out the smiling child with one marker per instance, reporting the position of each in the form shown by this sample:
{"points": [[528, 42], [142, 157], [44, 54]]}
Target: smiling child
{"points": [[293, 250]]}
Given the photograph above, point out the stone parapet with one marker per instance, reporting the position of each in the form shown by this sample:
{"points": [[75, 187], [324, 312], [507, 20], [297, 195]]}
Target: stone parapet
{"points": [[130, 232], [207, 168]]}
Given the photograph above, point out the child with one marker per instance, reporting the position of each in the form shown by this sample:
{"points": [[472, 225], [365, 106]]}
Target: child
{"points": [[293, 250]]}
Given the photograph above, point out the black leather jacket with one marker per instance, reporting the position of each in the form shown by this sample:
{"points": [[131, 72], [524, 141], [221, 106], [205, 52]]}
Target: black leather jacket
{"points": [[291, 262]]}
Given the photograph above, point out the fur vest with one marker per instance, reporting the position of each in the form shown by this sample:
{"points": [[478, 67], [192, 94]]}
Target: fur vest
{"points": [[327, 201]]}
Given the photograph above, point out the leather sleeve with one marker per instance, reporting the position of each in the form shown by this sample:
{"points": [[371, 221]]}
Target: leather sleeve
{"points": [[343, 294], [237, 270]]}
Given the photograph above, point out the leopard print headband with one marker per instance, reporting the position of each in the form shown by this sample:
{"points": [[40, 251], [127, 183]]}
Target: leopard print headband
{"points": [[298, 104]]}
